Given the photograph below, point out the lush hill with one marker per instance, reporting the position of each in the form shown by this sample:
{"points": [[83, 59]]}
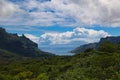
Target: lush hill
{"points": [[20, 45], [82, 48], [102, 64]]}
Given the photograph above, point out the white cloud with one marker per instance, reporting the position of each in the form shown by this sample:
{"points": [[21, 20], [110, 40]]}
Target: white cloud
{"points": [[78, 35], [32, 37], [6, 8], [102, 12], [62, 12]]}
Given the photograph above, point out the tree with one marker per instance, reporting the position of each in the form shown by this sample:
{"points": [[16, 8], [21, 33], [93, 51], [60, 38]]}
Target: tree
{"points": [[89, 50], [24, 75], [42, 76], [118, 46], [107, 46]]}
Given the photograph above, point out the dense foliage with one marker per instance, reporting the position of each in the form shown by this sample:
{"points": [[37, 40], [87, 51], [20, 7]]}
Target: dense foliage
{"points": [[103, 64]]}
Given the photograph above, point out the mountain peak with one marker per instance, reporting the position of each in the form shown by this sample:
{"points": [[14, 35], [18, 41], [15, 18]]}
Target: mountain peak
{"points": [[113, 39], [2, 30]]}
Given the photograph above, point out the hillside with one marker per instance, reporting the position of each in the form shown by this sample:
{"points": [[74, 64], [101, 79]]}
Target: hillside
{"points": [[92, 65], [82, 48], [20, 45]]}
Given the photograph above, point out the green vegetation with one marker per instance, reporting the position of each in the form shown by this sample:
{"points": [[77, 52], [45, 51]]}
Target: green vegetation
{"points": [[103, 64], [107, 46]]}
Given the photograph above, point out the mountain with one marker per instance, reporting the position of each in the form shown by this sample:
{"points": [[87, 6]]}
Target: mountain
{"points": [[82, 48], [20, 45], [113, 39]]}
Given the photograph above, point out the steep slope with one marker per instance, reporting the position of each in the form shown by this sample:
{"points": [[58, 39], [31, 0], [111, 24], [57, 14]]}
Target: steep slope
{"points": [[82, 48], [20, 45], [5, 55]]}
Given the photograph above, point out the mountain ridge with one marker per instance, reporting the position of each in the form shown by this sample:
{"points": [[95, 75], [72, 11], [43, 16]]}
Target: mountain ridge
{"points": [[82, 48]]}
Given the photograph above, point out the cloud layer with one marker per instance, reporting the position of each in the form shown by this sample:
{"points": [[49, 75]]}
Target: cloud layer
{"points": [[77, 35], [61, 12]]}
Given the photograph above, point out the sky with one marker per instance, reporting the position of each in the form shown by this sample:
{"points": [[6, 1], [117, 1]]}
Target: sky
{"points": [[58, 26]]}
